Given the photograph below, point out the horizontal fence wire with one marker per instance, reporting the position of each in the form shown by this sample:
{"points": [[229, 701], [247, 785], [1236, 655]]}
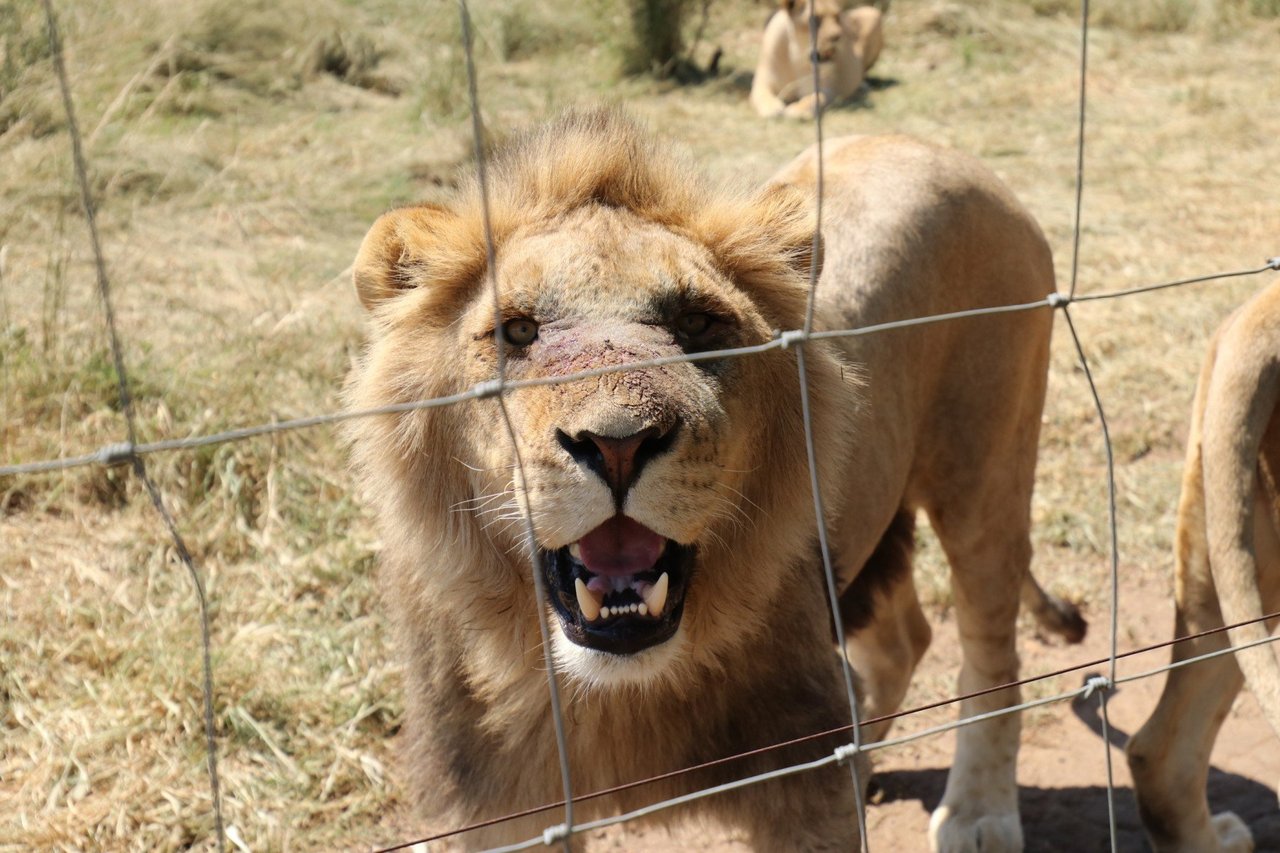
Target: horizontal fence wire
{"points": [[1092, 685], [122, 453]]}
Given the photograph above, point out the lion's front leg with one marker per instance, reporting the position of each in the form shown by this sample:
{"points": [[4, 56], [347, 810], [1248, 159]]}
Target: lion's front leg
{"points": [[979, 811]]}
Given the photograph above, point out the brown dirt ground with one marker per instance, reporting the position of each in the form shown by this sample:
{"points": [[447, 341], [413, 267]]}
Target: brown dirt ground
{"points": [[1062, 771]]}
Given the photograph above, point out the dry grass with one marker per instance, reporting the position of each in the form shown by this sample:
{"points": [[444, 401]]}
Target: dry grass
{"points": [[239, 156]]}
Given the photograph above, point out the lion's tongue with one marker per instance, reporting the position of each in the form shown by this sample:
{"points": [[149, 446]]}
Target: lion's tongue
{"points": [[620, 546]]}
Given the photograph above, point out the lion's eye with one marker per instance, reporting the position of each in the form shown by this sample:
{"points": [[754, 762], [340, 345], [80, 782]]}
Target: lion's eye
{"points": [[693, 325], [520, 332]]}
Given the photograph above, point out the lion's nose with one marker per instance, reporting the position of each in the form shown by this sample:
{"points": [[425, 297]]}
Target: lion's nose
{"points": [[618, 461]]}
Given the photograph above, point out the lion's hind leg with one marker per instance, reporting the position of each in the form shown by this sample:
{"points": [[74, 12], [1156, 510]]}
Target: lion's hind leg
{"points": [[1169, 755], [886, 632], [1228, 552]]}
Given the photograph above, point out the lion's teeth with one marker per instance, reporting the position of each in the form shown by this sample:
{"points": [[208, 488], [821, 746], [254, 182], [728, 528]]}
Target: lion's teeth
{"points": [[586, 601], [575, 551], [593, 607], [656, 598]]}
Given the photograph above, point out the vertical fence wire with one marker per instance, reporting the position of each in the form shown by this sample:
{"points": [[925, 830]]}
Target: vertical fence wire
{"points": [[1080, 125], [819, 511], [1105, 685], [126, 407], [565, 832]]}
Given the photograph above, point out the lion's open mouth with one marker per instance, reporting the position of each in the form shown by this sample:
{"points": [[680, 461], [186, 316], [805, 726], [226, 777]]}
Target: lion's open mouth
{"points": [[620, 588]]}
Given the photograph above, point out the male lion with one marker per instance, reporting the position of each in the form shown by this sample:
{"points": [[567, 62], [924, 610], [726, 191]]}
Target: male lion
{"points": [[848, 44], [1227, 568], [671, 506]]}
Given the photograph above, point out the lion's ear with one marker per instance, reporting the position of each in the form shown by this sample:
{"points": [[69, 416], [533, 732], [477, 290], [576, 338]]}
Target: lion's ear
{"points": [[766, 244], [788, 219], [410, 247], [794, 216], [774, 228]]}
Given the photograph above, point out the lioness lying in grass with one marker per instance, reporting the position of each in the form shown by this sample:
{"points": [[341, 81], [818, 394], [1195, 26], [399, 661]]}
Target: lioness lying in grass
{"points": [[848, 44]]}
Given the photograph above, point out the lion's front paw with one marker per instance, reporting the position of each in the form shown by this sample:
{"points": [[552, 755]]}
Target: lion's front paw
{"points": [[953, 832], [798, 111], [803, 108], [1233, 835]]}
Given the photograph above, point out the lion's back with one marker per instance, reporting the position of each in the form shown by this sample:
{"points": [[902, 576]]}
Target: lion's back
{"points": [[924, 217]]}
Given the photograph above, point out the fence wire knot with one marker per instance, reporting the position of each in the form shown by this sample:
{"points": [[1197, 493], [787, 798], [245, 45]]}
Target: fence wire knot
{"points": [[486, 389], [117, 454], [1058, 300], [845, 752], [1095, 683], [553, 834], [793, 336], [1274, 263]]}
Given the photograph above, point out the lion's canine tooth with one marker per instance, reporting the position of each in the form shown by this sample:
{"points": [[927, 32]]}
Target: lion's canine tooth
{"points": [[575, 551], [656, 598], [586, 601]]}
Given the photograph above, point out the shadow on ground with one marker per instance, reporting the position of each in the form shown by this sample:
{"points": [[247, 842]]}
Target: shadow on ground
{"points": [[1075, 819]]}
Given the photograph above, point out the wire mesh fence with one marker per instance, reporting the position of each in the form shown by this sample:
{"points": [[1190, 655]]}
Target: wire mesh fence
{"points": [[133, 453]]}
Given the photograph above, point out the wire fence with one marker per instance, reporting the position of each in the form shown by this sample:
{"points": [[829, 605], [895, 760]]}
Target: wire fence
{"points": [[133, 453]]}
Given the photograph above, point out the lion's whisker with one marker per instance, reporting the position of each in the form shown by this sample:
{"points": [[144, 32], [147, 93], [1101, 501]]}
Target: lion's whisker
{"points": [[476, 502], [479, 470], [740, 494]]}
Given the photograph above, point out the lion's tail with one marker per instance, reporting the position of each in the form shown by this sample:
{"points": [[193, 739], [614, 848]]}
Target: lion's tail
{"points": [[1053, 614], [1244, 387]]}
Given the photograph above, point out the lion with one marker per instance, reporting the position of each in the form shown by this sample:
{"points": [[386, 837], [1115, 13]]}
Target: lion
{"points": [[848, 44], [671, 511], [1227, 570]]}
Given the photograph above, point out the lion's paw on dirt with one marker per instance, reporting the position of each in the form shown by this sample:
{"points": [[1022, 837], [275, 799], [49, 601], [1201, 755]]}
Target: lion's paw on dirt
{"points": [[951, 832], [1233, 835]]}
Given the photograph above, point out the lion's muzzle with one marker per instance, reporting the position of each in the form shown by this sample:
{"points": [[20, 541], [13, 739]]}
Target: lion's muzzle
{"points": [[621, 454]]}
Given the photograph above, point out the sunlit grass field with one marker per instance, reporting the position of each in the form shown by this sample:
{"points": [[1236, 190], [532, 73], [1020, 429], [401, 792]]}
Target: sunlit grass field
{"points": [[239, 151]]}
